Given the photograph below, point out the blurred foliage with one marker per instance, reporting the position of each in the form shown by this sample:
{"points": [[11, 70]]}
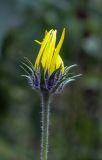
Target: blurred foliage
{"points": [[76, 114]]}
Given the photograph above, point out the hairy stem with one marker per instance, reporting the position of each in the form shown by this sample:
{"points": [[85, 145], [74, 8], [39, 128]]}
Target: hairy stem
{"points": [[45, 125]]}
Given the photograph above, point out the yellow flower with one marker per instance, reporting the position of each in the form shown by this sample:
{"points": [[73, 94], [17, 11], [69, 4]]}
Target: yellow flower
{"points": [[48, 57], [48, 74]]}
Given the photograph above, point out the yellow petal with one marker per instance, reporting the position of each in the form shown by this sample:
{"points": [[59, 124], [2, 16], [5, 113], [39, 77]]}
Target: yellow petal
{"points": [[57, 50], [51, 49], [59, 63], [46, 52], [38, 42], [37, 62]]}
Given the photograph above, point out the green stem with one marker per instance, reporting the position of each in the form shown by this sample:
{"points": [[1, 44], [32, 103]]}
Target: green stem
{"points": [[45, 125]]}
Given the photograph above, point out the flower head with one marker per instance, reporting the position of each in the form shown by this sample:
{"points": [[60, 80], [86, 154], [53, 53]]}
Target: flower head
{"points": [[48, 73]]}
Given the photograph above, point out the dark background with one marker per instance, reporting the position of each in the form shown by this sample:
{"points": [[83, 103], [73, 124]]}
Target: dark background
{"points": [[76, 114]]}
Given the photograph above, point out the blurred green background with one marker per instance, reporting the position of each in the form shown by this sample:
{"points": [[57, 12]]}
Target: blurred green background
{"points": [[76, 114]]}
